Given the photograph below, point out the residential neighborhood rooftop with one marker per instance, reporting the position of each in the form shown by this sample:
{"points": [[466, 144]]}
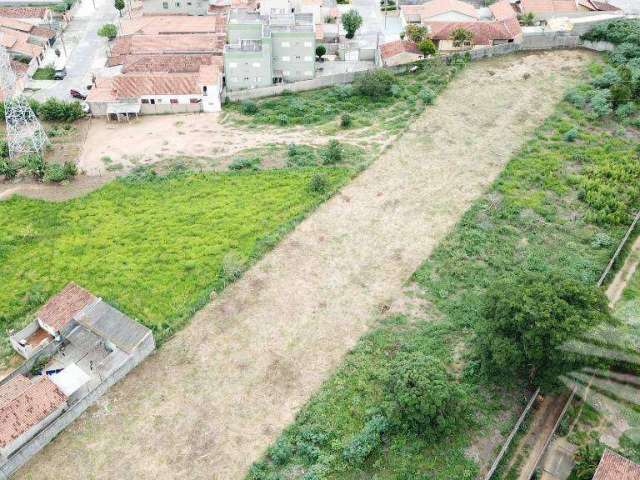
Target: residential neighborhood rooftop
{"points": [[548, 6], [615, 467], [23, 12], [62, 307], [173, 24]]}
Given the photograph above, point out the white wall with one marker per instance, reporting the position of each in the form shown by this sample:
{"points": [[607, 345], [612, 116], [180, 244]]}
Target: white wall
{"points": [[449, 17]]}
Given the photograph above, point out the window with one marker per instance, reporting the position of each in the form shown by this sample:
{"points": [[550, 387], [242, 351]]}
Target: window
{"points": [[173, 100], [246, 79], [194, 100], [153, 102], [256, 64], [307, 44], [286, 44], [165, 5], [286, 58], [308, 58], [298, 57], [177, 4], [144, 100]]}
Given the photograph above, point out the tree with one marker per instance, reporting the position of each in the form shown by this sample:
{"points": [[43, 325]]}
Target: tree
{"points": [[427, 47], [351, 21], [416, 33], [108, 30], [527, 317], [119, 4], [527, 20], [422, 396], [320, 51], [460, 37]]}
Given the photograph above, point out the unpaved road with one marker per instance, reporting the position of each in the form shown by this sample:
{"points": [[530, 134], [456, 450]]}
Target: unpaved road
{"points": [[215, 396]]}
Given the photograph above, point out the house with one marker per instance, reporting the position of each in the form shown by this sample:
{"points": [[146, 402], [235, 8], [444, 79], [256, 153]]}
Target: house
{"points": [[175, 7], [438, 11], [596, 6], [19, 47], [32, 15], [26, 406], [503, 10], [265, 50], [173, 24], [37, 34], [615, 467], [89, 346], [485, 33], [545, 9], [398, 52]]}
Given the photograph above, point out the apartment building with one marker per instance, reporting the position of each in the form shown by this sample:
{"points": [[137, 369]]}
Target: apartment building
{"points": [[267, 49]]}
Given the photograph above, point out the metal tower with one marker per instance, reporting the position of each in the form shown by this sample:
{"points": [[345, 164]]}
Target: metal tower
{"points": [[25, 135]]}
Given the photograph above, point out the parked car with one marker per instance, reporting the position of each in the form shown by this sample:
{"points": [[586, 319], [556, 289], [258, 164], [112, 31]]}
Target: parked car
{"points": [[77, 94], [59, 73]]}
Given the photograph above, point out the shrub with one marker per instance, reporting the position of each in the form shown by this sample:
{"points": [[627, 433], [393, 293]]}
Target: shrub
{"points": [[607, 79], [351, 21], [366, 441], [34, 165], [245, 163], [575, 98], [321, 50], [280, 452], [249, 107], [346, 120], [416, 33], [375, 84], [108, 30], [4, 149], [283, 119], [601, 240], [571, 135], [626, 110], [333, 153], [526, 318], [233, 265], [318, 183], [300, 156], [427, 47], [54, 172], [343, 91], [427, 95], [58, 110], [423, 397], [8, 169], [601, 103]]}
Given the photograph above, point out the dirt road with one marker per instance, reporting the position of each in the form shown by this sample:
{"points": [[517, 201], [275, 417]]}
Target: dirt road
{"points": [[216, 395]]}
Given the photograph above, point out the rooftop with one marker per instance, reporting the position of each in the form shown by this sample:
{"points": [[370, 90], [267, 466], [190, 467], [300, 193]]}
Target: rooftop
{"points": [[615, 467], [439, 7], [193, 43], [61, 308], [484, 32], [548, 6], [24, 403], [173, 24], [23, 12], [503, 10], [391, 49]]}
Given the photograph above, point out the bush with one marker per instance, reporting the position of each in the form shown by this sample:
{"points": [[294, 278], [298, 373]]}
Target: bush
{"points": [[321, 50], [300, 156], [609, 78], [601, 103], [346, 120], [423, 397], [527, 317], [351, 21], [333, 153], [233, 264], [58, 110], [626, 110], [575, 98], [249, 107], [8, 169], [427, 95], [427, 47], [34, 165], [108, 30], [375, 84], [343, 91], [319, 183], [571, 135], [4, 149], [366, 441], [245, 163], [280, 452], [283, 119], [54, 172]]}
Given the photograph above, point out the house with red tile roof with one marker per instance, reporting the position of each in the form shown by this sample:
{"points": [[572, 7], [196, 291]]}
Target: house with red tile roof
{"points": [[438, 11], [596, 6], [484, 33], [173, 24], [548, 8], [32, 15], [615, 467], [26, 407], [398, 52]]}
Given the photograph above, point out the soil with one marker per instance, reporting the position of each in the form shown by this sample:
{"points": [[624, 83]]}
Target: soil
{"points": [[624, 275], [80, 186], [210, 401]]}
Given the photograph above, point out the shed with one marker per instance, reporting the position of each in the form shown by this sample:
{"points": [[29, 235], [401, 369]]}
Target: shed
{"points": [[124, 110]]}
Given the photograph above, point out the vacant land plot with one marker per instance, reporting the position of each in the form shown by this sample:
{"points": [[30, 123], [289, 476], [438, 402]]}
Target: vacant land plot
{"points": [[156, 248], [216, 395]]}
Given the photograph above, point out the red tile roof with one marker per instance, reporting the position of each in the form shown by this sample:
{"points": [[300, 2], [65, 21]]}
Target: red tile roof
{"points": [[173, 24], [14, 24], [24, 403], [392, 49], [548, 6], [61, 308], [484, 33], [193, 43], [614, 467], [598, 6], [23, 12], [168, 63], [502, 10]]}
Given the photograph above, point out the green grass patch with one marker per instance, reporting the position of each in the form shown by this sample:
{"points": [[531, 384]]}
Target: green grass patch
{"points": [[44, 73], [153, 247], [326, 105], [553, 207]]}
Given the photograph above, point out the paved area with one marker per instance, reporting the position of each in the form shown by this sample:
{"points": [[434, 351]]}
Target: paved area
{"points": [[86, 52], [210, 401]]}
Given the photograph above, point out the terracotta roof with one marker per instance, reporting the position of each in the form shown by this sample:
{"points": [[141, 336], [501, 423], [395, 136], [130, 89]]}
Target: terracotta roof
{"points": [[14, 24], [168, 63], [23, 12], [19, 42], [391, 49], [484, 33], [19, 68], [25, 404], [43, 32], [614, 467], [194, 43], [548, 6], [61, 308], [598, 6], [438, 7], [502, 10], [172, 24]]}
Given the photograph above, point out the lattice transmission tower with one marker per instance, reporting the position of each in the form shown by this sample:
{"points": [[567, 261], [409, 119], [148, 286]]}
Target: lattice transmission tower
{"points": [[25, 135]]}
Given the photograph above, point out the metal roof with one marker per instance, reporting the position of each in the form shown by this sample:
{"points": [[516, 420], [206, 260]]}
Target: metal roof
{"points": [[113, 325]]}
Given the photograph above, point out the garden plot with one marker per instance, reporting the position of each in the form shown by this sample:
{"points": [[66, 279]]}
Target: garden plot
{"points": [[216, 395]]}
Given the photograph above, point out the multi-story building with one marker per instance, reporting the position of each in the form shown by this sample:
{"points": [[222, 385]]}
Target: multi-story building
{"points": [[262, 50]]}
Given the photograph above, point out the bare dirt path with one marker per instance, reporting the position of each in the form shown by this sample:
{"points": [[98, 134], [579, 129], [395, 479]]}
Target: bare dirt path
{"points": [[213, 398], [624, 275]]}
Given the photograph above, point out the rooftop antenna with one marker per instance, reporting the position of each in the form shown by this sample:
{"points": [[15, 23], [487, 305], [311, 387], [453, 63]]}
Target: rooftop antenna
{"points": [[25, 135]]}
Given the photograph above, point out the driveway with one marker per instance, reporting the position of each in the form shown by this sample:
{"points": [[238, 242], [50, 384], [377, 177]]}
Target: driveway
{"points": [[86, 51]]}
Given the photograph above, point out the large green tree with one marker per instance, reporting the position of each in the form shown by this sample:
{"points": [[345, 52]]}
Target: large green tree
{"points": [[528, 317], [461, 37], [119, 4], [351, 21]]}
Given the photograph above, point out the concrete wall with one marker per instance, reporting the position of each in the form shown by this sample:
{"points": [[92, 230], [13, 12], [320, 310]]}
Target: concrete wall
{"points": [[23, 455], [175, 7], [293, 53], [164, 108], [248, 69]]}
